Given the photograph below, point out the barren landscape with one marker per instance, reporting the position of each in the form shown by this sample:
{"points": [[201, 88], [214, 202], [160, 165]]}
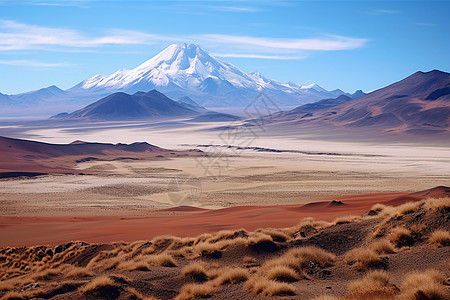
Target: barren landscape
{"points": [[234, 149]]}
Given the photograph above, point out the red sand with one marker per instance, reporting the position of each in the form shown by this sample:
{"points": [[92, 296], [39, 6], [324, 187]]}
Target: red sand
{"points": [[27, 231]]}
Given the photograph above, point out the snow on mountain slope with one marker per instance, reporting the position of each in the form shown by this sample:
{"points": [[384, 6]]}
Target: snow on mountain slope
{"points": [[188, 70]]}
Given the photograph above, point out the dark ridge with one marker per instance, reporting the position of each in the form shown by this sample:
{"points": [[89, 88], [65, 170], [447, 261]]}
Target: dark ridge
{"points": [[336, 203], [20, 174], [438, 93]]}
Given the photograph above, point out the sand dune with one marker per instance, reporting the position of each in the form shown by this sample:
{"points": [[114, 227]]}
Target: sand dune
{"points": [[188, 221]]}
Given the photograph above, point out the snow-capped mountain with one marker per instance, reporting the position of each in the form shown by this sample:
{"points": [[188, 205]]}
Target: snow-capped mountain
{"points": [[188, 70], [180, 70]]}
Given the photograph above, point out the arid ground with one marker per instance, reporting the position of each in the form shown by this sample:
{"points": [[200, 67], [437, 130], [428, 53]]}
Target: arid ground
{"points": [[206, 184]]}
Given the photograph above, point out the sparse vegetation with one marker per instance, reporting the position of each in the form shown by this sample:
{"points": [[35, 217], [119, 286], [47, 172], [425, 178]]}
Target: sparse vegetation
{"points": [[346, 219], [192, 290], [274, 262], [374, 285], [282, 273], [361, 259], [424, 285], [382, 246], [409, 207], [400, 236], [440, 238], [197, 271]]}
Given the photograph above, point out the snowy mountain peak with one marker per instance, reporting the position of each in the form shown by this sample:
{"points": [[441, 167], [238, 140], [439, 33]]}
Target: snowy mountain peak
{"points": [[188, 70], [178, 57]]}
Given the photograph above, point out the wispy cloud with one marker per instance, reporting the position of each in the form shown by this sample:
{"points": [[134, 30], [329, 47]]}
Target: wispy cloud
{"points": [[233, 8], [16, 36], [383, 12], [327, 43], [19, 36], [426, 24], [235, 55], [32, 63]]}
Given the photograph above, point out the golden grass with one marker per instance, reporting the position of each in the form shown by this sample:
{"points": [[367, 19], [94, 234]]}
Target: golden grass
{"points": [[264, 286], [325, 297], [102, 281], [424, 285], [409, 207], [283, 274], [382, 246], [274, 288], [378, 207], [276, 234], [362, 258], [259, 238], [193, 290], [437, 203], [197, 271], [230, 275], [440, 238], [163, 259], [46, 275], [346, 219], [315, 254], [399, 236], [23, 295], [374, 285], [250, 262], [79, 272]]}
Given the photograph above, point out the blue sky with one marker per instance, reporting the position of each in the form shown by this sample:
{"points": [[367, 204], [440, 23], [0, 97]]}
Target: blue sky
{"points": [[337, 44]]}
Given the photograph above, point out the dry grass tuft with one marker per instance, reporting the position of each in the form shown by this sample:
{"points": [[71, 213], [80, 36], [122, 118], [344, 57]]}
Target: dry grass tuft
{"points": [[382, 246], [274, 288], [346, 219], [134, 265], [325, 297], [197, 271], [400, 236], [437, 203], [375, 285], [46, 275], [250, 262], [440, 238], [283, 274], [378, 207], [261, 285], [97, 284], [362, 259], [409, 207], [194, 290], [79, 272], [276, 234], [163, 259], [424, 285], [228, 275]]}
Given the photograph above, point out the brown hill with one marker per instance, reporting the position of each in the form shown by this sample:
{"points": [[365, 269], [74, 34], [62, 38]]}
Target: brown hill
{"points": [[24, 156], [418, 104]]}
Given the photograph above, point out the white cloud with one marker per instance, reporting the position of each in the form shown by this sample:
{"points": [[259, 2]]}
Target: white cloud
{"points": [[383, 12], [19, 36], [31, 63], [329, 43], [232, 8], [244, 55], [426, 24]]}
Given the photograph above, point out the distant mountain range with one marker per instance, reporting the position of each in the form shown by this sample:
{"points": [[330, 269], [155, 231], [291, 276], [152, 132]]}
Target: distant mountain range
{"points": [[140, 105], [181, 70], [418, 104]]}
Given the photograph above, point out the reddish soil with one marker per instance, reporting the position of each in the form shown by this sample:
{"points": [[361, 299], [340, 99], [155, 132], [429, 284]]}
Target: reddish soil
{"points": [[27, 231]]}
